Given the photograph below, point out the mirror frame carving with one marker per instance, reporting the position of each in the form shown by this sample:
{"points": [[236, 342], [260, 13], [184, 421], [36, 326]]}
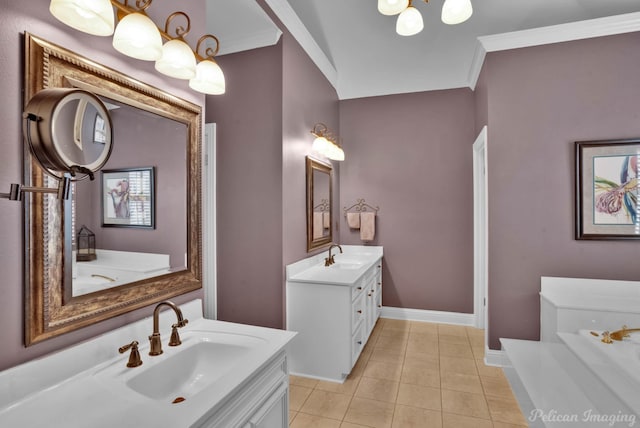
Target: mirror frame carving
{"points": [[316, 165], [50, 309]]}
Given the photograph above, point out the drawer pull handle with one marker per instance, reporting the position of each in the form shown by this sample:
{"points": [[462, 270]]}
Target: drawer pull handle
{"points": [[379, 306], [379, 266], [369, 295], [379, 283], [359, 342], [359, 288], [359, 312]]}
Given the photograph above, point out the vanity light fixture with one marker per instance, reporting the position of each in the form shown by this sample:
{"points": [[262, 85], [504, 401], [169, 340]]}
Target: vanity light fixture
{"points": [[410, 20], [89, 16], [325, 143], [137, 36], [209, 78], [178, 60]]}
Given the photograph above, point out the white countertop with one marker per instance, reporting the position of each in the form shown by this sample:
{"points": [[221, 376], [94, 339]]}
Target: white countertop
{"points": [[63, 389], [349, 266]]}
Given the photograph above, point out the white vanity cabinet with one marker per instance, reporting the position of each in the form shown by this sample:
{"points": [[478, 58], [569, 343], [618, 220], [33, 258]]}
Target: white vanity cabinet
{"points": [[262, 403], [333, 310]]}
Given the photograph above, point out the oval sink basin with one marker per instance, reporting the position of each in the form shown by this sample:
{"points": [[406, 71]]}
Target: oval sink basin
{"points": [[183, 371], [346, 265]]}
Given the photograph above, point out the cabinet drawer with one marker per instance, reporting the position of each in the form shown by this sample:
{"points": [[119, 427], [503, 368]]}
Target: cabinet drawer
{"points": [[357, 343], [357, 312], [356, 291]]}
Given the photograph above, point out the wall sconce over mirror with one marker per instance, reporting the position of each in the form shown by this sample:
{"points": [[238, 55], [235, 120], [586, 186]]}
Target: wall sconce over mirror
{"points": [[68, 132], [137, 36], [326, 143]]}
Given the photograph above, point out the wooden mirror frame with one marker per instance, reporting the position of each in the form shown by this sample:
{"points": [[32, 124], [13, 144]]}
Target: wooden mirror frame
{"points": [[316, 165], [50, 309]]}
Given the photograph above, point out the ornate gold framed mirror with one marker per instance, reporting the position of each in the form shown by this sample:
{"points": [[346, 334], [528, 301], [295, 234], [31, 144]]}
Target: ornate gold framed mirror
{"points": [[51, 307], [319, 207]]}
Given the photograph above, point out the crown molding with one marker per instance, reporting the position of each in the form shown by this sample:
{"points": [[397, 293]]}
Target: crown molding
{"points": [[476, 65], [289, 18], [599, 27]]}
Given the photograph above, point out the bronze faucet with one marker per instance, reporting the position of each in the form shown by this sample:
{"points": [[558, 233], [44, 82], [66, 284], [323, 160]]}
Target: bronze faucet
{"points": [[331, 259], [156, 344]]}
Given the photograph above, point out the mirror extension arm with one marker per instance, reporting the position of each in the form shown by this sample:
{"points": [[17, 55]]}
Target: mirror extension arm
{"points": [[16, 190]]}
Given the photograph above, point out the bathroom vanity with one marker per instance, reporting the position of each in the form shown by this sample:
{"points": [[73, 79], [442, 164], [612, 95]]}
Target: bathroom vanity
{"points": [[334, 309], [222, 375]]}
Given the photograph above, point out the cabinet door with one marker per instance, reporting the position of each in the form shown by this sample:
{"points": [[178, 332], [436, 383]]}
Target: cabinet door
{"points": [[274, 411]]}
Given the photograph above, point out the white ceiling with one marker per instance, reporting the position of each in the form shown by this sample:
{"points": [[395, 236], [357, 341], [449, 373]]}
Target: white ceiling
{"points": [[359, 51]]}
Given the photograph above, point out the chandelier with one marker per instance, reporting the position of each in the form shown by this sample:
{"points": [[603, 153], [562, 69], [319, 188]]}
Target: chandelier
{"points": [[410, 20]]}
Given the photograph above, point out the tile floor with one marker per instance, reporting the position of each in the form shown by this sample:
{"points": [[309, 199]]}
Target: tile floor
{"points": [[411, 374]]}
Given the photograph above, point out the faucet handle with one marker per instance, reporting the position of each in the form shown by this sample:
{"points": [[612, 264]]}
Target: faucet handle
{"points": [[134, 356], [175, 337]]}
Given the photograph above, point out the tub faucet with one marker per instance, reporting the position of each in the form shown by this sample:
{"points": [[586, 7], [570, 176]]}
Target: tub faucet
{"points": [[156, 344], [331, 259]]}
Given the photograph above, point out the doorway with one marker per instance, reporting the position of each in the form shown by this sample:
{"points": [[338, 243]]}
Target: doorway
{"points": [[480, 248]]}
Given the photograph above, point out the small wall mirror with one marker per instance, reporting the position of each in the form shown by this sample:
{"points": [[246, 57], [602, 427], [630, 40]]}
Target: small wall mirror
{"points": [[319, 209], [61, 126]]}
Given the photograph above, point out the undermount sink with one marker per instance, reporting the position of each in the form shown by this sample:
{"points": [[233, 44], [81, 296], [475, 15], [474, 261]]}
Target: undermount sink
{"points": [[182, 372], [346, 265]]}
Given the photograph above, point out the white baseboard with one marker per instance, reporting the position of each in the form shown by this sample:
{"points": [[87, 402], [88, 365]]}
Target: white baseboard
{"points": [[428, 316], [496, 358]]}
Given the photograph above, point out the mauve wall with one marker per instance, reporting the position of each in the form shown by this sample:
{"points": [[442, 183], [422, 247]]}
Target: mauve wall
{"points": [[18, 16], [411, 156], [274, 97], [541, 100], [249, 187], [145, 140], [308, 98]]}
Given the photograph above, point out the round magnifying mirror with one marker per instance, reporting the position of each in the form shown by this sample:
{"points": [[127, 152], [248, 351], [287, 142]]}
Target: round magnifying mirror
{"points": [[68, 130]]}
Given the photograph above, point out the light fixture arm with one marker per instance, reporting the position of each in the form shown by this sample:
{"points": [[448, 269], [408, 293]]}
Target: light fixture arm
{"points": [[180, 31], [208, 52], [320, 130]]}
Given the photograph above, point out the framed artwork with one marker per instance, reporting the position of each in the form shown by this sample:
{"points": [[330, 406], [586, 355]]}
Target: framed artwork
{"points": [[128, 197], [99, 130], [607, 189]]}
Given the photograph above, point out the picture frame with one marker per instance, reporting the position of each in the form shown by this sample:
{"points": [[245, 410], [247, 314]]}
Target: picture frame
{"points": [[99, 130], [128, 197], [607, 189]]}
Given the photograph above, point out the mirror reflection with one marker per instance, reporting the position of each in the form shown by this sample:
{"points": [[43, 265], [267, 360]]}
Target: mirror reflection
{"points": [[137, 208], [319, 197]]}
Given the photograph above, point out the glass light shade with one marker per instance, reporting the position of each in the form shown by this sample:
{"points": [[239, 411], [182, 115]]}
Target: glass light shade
{"points": [[177, 60], [209, 78], [392, 7], [456, 11], [89, 16], [409, 22], [138, 37], [321, 145], [336, 153]]}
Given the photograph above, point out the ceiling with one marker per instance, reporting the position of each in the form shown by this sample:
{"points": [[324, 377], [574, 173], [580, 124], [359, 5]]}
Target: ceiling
{"points": [[359, 51]]}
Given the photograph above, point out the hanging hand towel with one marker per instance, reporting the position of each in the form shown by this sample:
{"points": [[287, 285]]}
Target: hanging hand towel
{"points": [[318, 227], [353, 220], [367, 226], [326, 219]]}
